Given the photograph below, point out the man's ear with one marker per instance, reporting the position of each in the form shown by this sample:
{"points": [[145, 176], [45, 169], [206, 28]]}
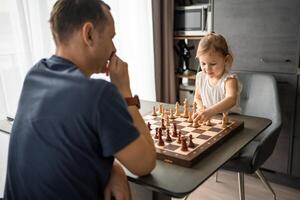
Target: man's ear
{"points": [[87, 33]]}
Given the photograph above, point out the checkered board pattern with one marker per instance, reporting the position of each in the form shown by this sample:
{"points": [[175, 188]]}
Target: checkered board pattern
{"points": [[205, 138]]}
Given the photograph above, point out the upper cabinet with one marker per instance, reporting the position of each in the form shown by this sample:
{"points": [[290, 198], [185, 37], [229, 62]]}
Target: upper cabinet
{"points": [[263, 35]]}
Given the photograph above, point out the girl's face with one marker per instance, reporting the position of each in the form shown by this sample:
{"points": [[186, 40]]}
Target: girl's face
{"points": [[213, 64]]}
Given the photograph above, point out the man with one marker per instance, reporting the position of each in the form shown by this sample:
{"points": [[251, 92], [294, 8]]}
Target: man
{"points": [[68, 127]]}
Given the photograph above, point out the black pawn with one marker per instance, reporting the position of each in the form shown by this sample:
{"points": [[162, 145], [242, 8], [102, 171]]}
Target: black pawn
{"points": [[168, 139], [156, 133], [149, 126], [179, 138], [160, 141], [191, 143]]}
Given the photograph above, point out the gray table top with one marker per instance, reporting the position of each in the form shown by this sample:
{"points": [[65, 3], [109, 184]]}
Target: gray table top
{"points": [[177, 181], [5, 126]]}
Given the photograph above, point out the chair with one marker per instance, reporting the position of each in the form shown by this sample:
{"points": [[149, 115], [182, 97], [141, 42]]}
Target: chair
{"points": [[258, 98]]}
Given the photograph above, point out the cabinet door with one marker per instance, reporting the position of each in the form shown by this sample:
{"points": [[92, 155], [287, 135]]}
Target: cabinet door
{"points": [[296, 143], [296, 160], [263, 35], [279, 160], [296, 156], [297, 120]]}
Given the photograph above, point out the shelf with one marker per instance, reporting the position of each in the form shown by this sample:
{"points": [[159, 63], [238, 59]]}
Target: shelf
{"points": [[188, 37], [186, 76], [186, 87]]}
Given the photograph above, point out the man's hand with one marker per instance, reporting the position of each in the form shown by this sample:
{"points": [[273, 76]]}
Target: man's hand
{"points": [[117, 186], [118, 70]]}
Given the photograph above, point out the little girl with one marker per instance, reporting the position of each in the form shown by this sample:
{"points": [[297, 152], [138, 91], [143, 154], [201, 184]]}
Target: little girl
{"points": [[217, 90]]}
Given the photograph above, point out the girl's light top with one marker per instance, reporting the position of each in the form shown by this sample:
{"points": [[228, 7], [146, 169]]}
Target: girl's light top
{"points": [[211, 95]]}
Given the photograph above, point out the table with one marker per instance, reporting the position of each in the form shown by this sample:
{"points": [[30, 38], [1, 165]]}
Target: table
{"points": [[168, 180], [4, 141]]}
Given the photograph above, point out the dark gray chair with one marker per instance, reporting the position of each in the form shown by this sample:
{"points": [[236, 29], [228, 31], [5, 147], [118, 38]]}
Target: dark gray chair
{"points": [[259, 98]]}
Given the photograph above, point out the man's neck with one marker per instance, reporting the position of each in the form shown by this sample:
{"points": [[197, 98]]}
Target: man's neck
{"points": [[73, 55]]}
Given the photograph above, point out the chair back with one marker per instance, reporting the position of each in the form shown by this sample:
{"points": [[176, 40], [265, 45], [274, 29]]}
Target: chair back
{"points": [[259, 98]]}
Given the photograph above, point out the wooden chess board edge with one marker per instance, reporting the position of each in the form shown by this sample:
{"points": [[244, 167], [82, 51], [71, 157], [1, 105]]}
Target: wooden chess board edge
{"points": [[188, 160], [240, 126]]}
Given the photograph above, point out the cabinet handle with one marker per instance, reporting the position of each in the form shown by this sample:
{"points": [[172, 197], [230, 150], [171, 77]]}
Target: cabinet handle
{"points": [[264, 60]]}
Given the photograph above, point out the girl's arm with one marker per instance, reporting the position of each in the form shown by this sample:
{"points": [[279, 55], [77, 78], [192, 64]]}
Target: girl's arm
{"points": [[197, 98], [231, 93]]}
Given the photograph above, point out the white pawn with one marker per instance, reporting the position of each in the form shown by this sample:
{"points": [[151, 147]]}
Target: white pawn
{"points": [[171, 114], [185, 113], [167, 121], [195, 124], [177, 112], [225, 120], [194, 107], [190, 120], [160, 108], [154, 111]]}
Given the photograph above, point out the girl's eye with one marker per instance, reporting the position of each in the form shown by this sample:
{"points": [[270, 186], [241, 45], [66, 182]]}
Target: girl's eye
{"points": [[202, 63]]}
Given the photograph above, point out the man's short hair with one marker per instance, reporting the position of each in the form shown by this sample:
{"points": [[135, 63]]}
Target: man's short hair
{"points": [[68, 16]]}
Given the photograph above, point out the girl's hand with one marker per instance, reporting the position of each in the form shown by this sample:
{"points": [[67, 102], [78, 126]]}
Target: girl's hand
{"points": [[203, 115]]}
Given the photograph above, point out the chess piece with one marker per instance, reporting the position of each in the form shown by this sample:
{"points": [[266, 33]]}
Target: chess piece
{"points": [[149, 126], [186, 103], [208, 123], [156, 133], [174, 126], [194, 108], [163, 127], [184, 146], [174, 130], [191, 143], [168, 138], [174, 134], [190, 120], [195, 124], [179, 138], [160, 141], [163, 113], [154, 111], [167, 121], [177, 112], [160, 108], [185, 113], [225, 120], [159, 131], [171, 116]]}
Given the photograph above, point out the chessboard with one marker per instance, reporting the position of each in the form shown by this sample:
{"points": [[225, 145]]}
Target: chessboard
{"points": [[179, 142]]}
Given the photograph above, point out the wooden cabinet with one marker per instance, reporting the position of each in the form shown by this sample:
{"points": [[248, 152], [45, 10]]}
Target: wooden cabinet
{"points": [[261, 34]]}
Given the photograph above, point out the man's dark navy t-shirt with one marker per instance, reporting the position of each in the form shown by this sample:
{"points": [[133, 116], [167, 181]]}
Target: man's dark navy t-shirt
{"points": [[66, 132]]}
